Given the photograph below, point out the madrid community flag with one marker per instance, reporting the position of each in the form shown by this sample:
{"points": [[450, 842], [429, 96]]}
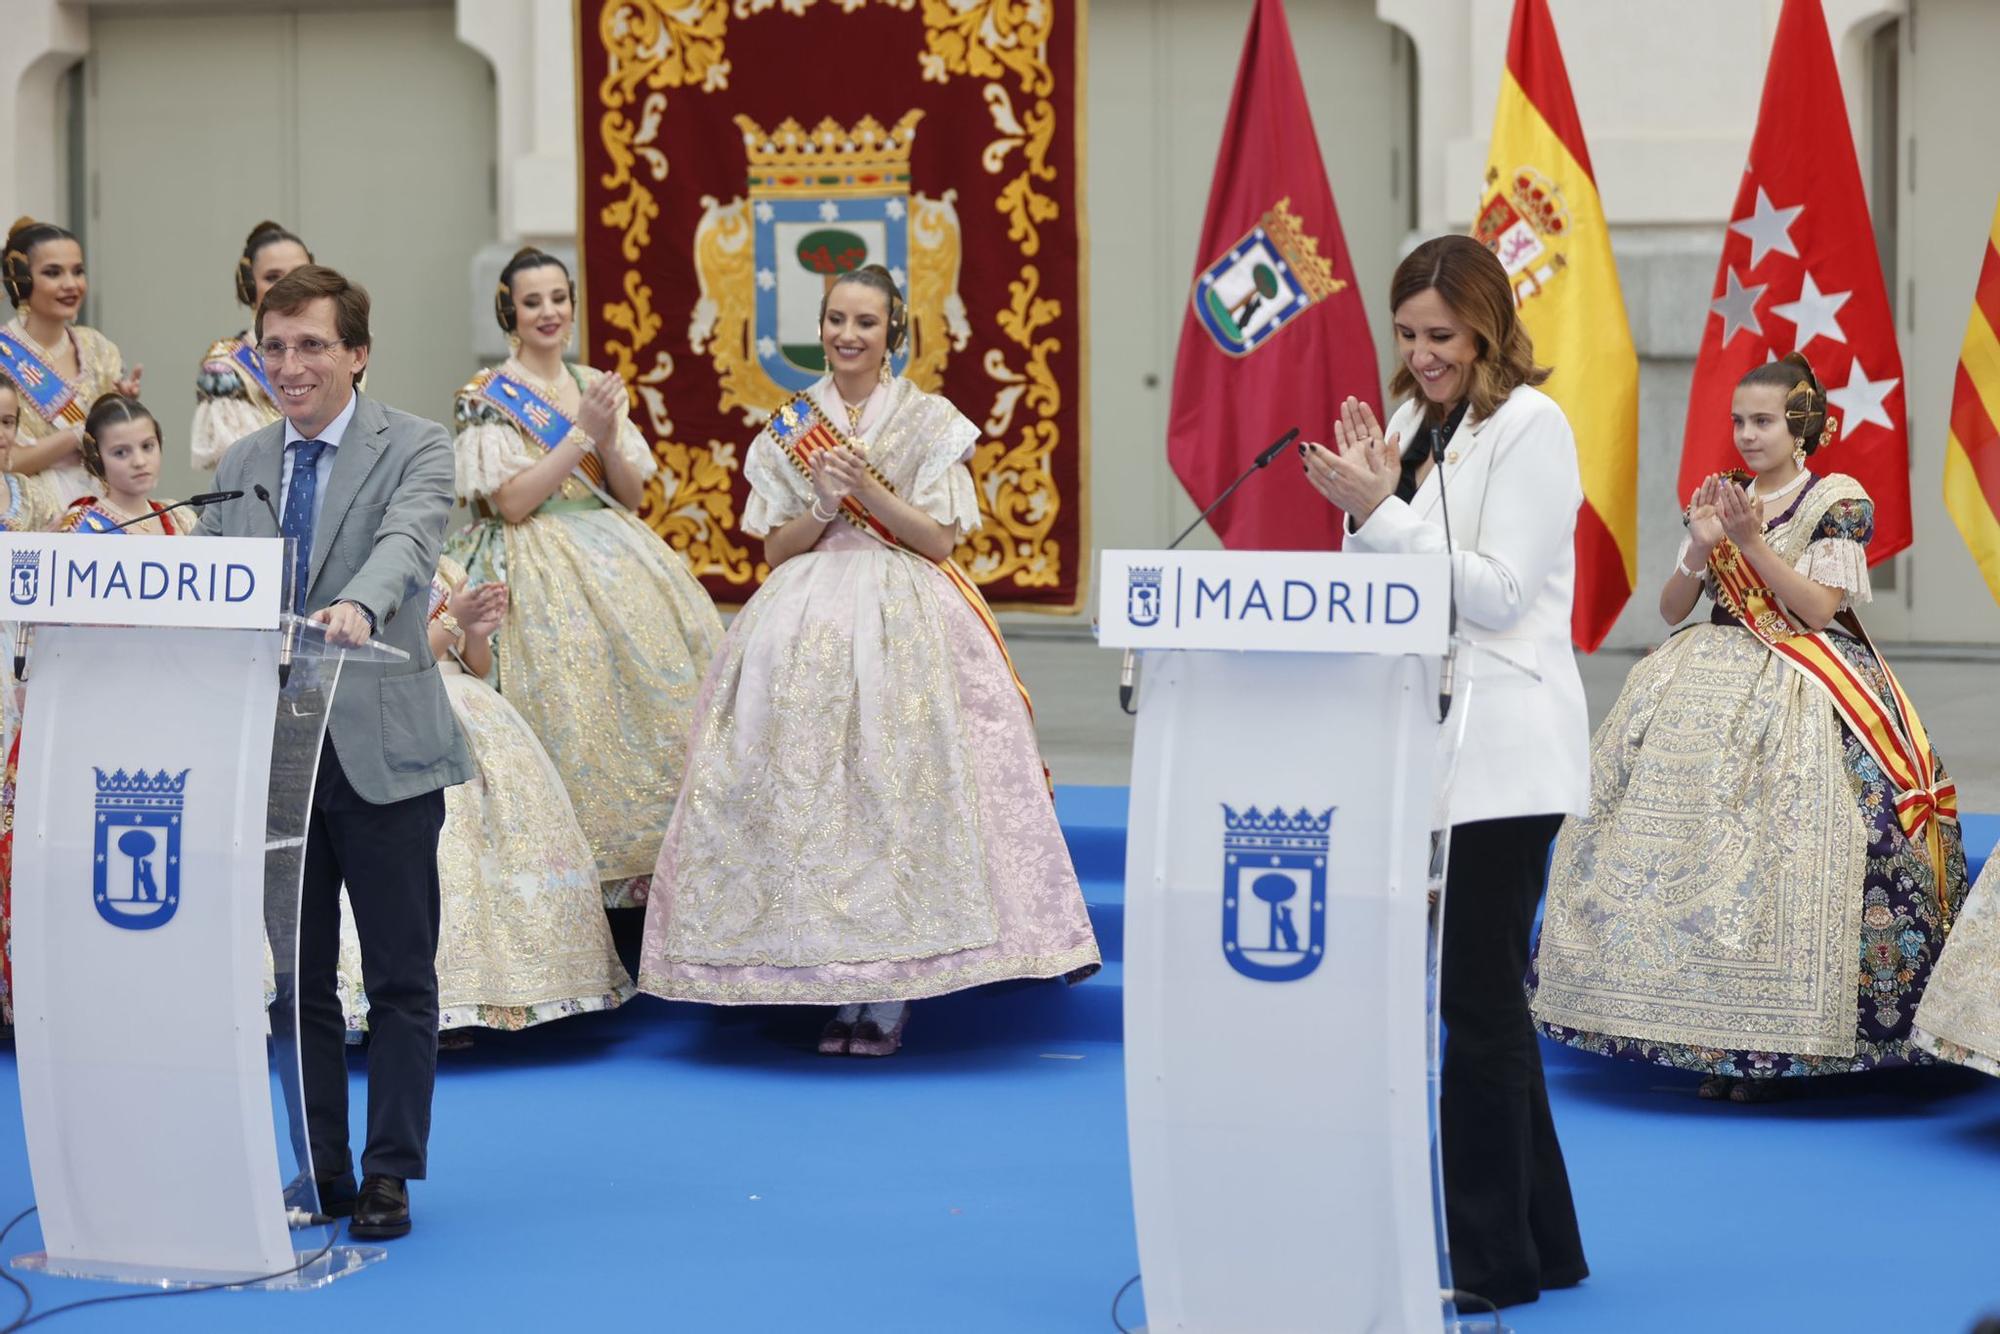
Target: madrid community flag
{"points": [[1541, 215], [1275, 335], [1799, 273], [1972, 454]]}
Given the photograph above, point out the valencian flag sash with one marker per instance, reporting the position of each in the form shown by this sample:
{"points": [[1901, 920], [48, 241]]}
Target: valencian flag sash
{"points": [[802, 431], [54, 397], [1894, 739], [1800, 273], [1275, 335], [91, 519], [540, 420], [1541, 215], [1972, 451]]}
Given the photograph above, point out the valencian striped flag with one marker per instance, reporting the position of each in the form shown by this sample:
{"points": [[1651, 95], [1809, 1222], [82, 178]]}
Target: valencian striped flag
{"points": [[1972, 455], [1541, 215]]}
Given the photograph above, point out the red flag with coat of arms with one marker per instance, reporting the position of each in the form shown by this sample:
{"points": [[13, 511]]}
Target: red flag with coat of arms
{"points": [[1275, 335], [1800, 273]]}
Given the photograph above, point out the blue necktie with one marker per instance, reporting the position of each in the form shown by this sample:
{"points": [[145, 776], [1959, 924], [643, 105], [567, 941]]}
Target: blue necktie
{"points": [[298, 525]]}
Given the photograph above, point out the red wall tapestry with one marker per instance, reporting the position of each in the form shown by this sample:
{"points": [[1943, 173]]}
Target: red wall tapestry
{"points": [[734, 154]]}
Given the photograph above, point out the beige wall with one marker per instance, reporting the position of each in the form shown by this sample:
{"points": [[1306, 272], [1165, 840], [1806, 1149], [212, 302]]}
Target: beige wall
{"points": [[367, 132]]}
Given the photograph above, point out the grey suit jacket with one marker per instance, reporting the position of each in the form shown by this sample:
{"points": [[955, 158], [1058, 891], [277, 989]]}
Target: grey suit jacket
{"points": [[388, 500]]}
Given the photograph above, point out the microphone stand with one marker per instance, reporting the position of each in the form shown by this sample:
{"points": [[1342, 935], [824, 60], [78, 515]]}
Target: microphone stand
{"points": [[1128, 668], [1448, 669], [289, 643], [24, 631]]}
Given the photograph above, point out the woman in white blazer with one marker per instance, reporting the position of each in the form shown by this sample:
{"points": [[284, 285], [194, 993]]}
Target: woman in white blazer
{"points": [[1468, 375]]}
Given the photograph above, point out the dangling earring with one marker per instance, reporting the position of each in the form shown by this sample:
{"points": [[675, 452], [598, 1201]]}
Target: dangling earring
{"points": [[1799, 456], [513, 345], [884, 375]]}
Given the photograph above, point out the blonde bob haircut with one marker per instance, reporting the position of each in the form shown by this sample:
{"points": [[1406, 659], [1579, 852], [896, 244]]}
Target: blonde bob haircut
{"points": [[1470, 279]]}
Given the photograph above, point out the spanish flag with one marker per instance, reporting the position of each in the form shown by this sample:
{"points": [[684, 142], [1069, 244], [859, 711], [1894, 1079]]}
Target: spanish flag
{"points": [[1541, 216], [1972, 454]]}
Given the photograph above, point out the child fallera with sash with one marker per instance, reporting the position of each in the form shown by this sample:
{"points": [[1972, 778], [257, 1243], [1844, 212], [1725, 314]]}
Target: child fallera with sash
{"points": [[120, 444], [59, 366], [232, 394], [865, 819], [607, 632], [1771, 858]]}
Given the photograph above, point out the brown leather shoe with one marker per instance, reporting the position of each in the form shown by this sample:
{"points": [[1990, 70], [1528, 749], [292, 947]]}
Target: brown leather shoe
{"points": [[381, 1211]]}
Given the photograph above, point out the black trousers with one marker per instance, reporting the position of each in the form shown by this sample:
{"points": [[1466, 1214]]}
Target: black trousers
{"points": [[387, 857], [1507, 1203]]}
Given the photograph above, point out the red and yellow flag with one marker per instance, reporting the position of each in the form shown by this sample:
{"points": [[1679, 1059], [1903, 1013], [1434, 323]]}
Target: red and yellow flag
{"points": [[1541, 215], [1972, 454]]}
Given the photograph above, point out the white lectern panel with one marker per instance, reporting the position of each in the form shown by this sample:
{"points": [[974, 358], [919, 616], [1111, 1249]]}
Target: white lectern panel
{"points": [[138, 930], [1275, 996]]}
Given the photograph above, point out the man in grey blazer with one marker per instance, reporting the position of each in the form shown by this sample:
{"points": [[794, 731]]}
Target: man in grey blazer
{"points": [[366, 492]]}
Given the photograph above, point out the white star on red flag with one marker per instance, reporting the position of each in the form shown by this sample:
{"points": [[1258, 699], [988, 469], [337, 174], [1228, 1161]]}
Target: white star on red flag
{"points": [[1738, 308], [1860, 400], [1768, 228], [1814, 314]]}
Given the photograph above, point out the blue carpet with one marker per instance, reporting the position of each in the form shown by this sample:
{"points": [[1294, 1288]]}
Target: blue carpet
{"points": [[670, 1167]]}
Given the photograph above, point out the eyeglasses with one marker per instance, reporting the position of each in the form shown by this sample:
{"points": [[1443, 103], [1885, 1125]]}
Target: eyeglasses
{"points": [[309, 350]]}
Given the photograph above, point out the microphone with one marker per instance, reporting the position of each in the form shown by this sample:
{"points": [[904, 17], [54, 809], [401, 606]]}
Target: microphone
{"points": [[290, 641], [1448, 669], [1128, 669], [205, 498]]}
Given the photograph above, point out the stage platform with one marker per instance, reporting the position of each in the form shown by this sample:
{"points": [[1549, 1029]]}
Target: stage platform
{"points": [[678, 1168]]}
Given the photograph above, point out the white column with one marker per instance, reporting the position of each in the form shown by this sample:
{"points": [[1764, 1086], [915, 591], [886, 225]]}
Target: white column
{"points": [[43, 39]]}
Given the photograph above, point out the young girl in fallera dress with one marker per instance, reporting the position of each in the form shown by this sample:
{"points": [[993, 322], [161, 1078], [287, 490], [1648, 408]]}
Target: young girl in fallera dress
{"points": [[865, 819], [1764, 879], [60, 367], [120, 447]]}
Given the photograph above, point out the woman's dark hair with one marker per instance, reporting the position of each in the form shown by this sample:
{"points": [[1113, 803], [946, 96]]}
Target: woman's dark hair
{"points": [[876, 278], [263, 234], [109, 410], [1805, 401], [1472, 281], [22, 238], [527, 257]]}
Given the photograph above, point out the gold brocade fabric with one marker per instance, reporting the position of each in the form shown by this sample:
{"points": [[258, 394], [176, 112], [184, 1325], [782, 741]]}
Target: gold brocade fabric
{"points": [[522, 933], [1959, 1017], [1712, 894], [603, 651]]}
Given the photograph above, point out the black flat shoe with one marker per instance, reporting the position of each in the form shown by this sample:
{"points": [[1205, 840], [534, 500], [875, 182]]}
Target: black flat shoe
{"points": [[382, 1210]]}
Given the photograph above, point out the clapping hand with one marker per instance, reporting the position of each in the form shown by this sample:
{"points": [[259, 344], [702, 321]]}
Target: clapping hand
{"points": [[1704, 521], [1364, 471], [479, 608], [602, 408], [129, 386], [839, 473], [1741, 514]]}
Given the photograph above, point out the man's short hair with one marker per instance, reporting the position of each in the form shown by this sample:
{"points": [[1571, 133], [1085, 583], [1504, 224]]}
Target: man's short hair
{"points": [[307, 284]]}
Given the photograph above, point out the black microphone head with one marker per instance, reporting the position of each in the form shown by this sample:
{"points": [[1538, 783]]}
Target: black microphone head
{"points": [[258, 489], [214, 497], [1277, 446]]}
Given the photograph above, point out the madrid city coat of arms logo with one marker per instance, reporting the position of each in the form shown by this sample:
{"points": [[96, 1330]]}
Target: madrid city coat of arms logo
{"points": [[1266, 280], [820, 203], [136, 866], [1274, 891]]}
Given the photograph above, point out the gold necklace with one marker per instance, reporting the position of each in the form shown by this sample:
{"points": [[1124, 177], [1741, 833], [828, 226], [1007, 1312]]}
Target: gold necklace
{"points": [[125, 515], [550, 389]]}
